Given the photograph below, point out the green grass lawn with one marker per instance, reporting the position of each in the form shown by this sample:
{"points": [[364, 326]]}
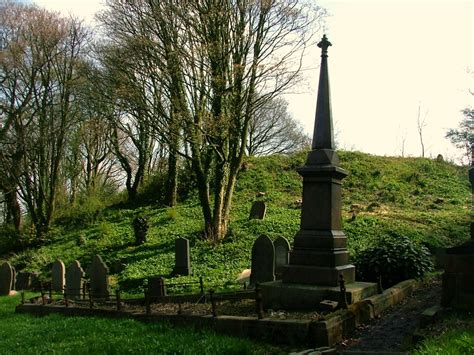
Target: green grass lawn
{"points": [[454, 336], [55, 334]]}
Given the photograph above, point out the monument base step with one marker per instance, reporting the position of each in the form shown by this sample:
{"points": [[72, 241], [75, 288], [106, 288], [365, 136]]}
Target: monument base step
{"points": [[290, 296]]}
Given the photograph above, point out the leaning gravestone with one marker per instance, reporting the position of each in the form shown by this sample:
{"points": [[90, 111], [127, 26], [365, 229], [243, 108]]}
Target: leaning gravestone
{"points": [[263, 260], [99, 275], [58, 274], [7, 279], [74, 280], [258, 210], [282, 247], [182, 263]]}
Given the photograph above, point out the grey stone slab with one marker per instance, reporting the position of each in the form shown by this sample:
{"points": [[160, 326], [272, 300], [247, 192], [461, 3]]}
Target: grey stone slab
{"points": [[182, 258], [99, 277], [7, 278], [258, 210], [58, 273], [74, 280], [282, 247], [263, 260]]}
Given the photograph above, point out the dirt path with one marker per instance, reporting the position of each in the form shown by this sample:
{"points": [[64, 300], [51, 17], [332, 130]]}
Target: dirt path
{"points": [[393, 330]]}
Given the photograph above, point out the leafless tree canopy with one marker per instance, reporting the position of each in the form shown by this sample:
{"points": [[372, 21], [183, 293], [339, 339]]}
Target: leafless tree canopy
{"points": [[194, 82]]}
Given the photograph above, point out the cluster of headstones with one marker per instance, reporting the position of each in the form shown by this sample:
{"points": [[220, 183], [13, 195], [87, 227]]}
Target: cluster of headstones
{"points": [[70, 280], [268, 259]]}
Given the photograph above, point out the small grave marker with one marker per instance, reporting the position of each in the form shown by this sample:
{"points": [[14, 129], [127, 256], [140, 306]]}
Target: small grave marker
{"points": [[182, 257], [74, 280], [282, 247], [258, 210], [7, 279], [99, 274], [58, 274], [263, 260]]}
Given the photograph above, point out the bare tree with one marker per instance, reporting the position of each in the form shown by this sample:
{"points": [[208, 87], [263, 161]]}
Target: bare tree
{"points": [[272, 130], [218, 62], [39, 77], [420, 125]]}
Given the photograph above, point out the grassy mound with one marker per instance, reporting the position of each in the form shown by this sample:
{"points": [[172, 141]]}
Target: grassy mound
{"points": [[421, 199]]}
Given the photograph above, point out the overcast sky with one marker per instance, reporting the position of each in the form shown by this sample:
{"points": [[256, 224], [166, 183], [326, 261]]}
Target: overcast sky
{"points": [[388, 57]]}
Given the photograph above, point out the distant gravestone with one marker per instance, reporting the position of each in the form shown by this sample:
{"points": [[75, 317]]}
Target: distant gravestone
{"points": [[99, 275], [7, 279], [156, 287], [258, 210], [282, 247], [263, 260], [182, 263], [74, 280], [24, 280], [58, 273]]}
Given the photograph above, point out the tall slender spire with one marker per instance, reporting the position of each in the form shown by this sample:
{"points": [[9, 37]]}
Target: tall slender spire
{"points": [[323, 136]]}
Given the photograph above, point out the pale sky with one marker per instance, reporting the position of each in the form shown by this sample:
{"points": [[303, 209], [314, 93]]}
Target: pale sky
{"points": [[388, 57]]}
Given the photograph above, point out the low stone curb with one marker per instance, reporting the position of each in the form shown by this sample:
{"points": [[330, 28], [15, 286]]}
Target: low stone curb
{"points": [[289, 331]]}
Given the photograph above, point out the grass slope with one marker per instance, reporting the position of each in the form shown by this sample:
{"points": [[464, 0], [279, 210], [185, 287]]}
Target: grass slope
{"points": [[25, 334], [423, 199]]}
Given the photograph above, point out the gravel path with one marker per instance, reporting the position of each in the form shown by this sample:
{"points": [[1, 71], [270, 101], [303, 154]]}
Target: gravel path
{"points": [[393, 330]]}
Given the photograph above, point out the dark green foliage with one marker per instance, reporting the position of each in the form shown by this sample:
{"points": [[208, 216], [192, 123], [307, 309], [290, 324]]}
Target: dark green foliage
{"points": [[395, 258]]}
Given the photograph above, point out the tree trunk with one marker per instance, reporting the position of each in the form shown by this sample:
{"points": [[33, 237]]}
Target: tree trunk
{"points": [[172, 179], [13, 209]]}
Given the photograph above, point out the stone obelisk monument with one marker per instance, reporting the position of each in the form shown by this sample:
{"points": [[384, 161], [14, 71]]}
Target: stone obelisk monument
{"points": [[319, 253], [319, 256]]}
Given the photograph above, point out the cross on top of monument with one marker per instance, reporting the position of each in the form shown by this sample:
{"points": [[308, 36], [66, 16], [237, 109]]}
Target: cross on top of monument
{"points": [[324, 45]]}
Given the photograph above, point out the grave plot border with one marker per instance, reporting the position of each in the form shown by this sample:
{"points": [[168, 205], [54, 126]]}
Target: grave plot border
{"points": [[290, 331]]}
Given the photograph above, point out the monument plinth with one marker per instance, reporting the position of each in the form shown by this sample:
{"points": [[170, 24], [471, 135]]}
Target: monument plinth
{"points": [[319, 252]]}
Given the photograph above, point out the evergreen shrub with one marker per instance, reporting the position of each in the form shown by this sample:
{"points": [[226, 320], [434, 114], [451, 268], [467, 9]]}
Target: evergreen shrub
{"points": [[395, 258]]}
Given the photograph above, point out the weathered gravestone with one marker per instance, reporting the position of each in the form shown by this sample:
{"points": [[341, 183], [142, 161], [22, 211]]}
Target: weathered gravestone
{"points": [[282, 247], [182, 259], [25, 280], [74, 280], [263, 260], [99, 276], [156, 287], [7, 279], [258, 210], [58, 273]]}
